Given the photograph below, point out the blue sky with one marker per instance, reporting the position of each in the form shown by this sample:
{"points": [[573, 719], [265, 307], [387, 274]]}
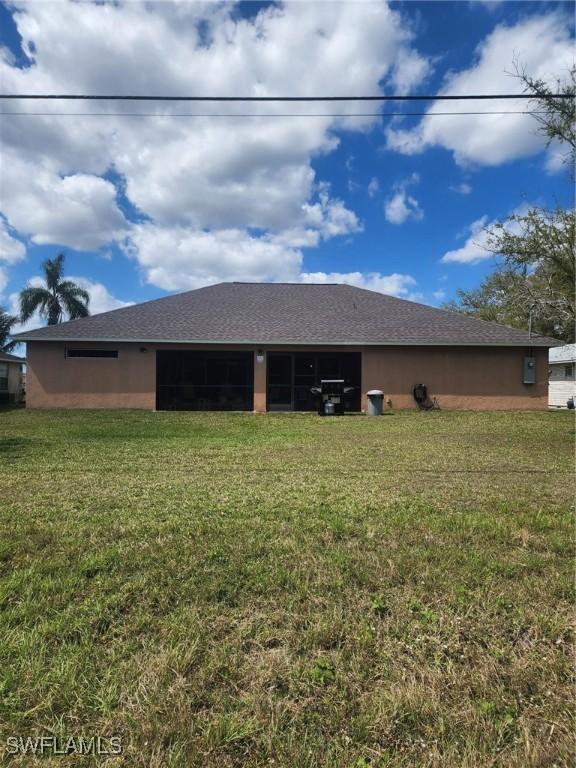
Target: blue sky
{"points": [[143, 206]]}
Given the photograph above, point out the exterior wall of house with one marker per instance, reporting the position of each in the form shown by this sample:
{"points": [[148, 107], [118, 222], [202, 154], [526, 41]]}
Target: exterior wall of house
{"points": [[54, 381], [15, 381], [459, 377], [129, 381], [11, 378], [476, 378], [260, 393], [561, 386]]}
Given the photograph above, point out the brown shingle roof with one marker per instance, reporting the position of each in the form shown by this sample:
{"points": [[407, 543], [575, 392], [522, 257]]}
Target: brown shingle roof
{"points": [[284, 313]]}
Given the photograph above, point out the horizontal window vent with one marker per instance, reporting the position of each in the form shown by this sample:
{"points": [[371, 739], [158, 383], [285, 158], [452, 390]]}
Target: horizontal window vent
{"points": [[92, 353]]}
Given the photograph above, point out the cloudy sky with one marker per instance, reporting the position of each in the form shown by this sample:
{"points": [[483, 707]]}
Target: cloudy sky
{"points": [[146, 199]]}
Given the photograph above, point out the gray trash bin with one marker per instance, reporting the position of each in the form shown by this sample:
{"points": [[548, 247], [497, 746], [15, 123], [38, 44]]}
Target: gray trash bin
{"points": [[375, 402]]}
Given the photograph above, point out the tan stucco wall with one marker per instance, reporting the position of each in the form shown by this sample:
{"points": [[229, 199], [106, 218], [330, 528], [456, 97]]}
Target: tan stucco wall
{"points": [[488, 378], [52, 381], [260, 383], [459, 377]]}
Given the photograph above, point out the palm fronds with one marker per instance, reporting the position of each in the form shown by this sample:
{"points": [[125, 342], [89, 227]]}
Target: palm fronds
{"points": [[7, 323], [58, 297]]}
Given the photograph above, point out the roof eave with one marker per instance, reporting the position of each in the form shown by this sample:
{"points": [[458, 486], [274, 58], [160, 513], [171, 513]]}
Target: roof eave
{"points": [[539, 342]]}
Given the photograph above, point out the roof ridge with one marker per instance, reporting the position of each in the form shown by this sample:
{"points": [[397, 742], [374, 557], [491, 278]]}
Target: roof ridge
{"points": [[274, 282]]}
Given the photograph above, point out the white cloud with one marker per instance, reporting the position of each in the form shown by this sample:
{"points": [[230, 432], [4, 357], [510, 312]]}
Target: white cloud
{"points": [[11, 250], [200, 182], [439, 295], [543, 45], [373, 187], [461, 189], [353, 186], [410, 70], [101, 300], [474, 249], [489, 4], [330, 217], [402, 206], [190, 258], [3, 279], [180, 258], [407, 142], [558, 158], [78, 211], [393, 285]]}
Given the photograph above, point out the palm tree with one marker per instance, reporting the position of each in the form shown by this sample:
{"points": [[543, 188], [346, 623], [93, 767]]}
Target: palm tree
{"points": [[7, 322], [57, 298]]}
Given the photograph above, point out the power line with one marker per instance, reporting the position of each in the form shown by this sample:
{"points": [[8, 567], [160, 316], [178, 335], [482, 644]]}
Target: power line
{"points": [[436, 97], [248, 115]]}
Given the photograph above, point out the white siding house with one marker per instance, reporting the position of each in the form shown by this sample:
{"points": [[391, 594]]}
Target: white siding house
{"points": [[562, 378], [11, 378]]}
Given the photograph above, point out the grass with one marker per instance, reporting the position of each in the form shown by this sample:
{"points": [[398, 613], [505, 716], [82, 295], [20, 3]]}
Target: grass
{"points": [[237, 590]]}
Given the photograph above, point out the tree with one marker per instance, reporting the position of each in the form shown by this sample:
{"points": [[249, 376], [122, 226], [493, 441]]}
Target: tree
{"points": [[499, 299], [7, 322], [512, 296], [57, 298], [540, 251], [534, 282], [555, 113]]}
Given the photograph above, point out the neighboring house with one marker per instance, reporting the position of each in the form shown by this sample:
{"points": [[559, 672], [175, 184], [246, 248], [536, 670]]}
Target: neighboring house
{"points": [[262, 346], [562, 381], [11, 378]]}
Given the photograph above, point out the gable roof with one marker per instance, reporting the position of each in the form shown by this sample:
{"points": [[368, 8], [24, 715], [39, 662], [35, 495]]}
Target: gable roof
{"points": [[284, 313], [6, 357]]}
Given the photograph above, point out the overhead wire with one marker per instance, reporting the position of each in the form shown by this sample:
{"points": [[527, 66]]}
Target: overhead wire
{"points": [[269, 99], [381, 98], [265, 115]]}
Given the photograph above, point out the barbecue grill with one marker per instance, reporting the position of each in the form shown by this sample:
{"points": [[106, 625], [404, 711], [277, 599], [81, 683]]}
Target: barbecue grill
{"points": [[330, 396]]}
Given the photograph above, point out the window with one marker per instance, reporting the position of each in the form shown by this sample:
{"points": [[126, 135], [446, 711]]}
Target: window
{"points": [[569, 371], [3, 377], [92, 353]]}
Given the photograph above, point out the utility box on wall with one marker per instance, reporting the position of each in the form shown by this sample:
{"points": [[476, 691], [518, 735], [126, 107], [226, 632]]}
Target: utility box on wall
{"points": [[529, 370]]}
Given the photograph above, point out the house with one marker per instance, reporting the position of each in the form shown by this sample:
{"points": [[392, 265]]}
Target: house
{"points": [[262, 346], [11, 378], [562, 376]]}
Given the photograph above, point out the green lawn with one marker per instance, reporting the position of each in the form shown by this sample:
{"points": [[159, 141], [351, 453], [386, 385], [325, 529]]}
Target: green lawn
{"points": [[290, 591]]}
